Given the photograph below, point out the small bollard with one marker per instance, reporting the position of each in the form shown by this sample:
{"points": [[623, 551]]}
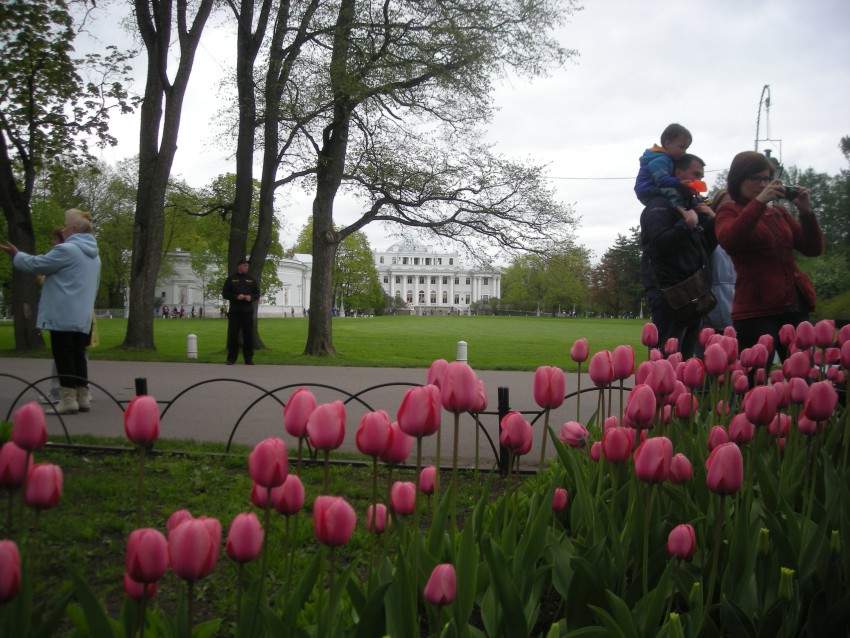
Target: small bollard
{"points": [[191, 347], [141, 386], [461, 351]]}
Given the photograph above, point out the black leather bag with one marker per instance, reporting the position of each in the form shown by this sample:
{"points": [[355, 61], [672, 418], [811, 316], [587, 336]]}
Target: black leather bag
{"points": [[690, 299]]}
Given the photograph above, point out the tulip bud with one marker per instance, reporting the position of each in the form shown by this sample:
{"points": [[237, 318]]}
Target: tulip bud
{"points": [[138, 591], [297, 411], [141, 421], [601, 369], [268, 463], [760, 405], [821, 401], [147, 555], [681, 469], [428, 480], [652, 459], [674, 626], [824, 333], [44, 486], [436, 371], [595, 451], [573, 434], [649, 336], [579, 351], [29, 431], [333, 520], [245, 538], [560, 499], [288, 499], [805, 335], [681, 543], [10, 571], [420, 410], [459, 387], [398, 447], [515, 433], [376, 518], [704, 335], [14, 463], [403, 498], [763, 543], [623, 361], [786, 582], [640, 406], [549, 387], [441, 588], [671, 346], [373, 433], [835, 541], [616, 445], [326, 426], [725, 469]]}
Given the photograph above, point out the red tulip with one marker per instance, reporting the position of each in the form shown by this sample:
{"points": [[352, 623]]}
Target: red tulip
{"points": [[297, 412], [686, 405], [725, 469], [428, 479], [147, 555], [29, 431], [138, 591], [760, 405], [480, 398], [560, 499], [245, 538], [616, 445], [459, 387], [821, 401], [441, 588], [693, 373], [623, 361], [550, 385], [420, 411], [10, 571], [193, 547], [805, 335], [715, 360], [268, 463], [398, 447], [515, 433], [573, 434], [741, 430], [681, 543], [180, 516], [640, 406], [717, 436], [288, 499], [13, 464], [681, 469], [787, 334], [373, 433], [653, 458], [601, 369], [671, 346], [649, 335], [436, 371], [44, 486], [377, 519], [579, 351], [403, 498], [326, 426], [333, 520], [141, 421], [780, 425]]}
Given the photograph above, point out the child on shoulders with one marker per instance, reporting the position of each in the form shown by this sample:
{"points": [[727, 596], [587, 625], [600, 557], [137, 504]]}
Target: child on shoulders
{"points": [[656, 167]]}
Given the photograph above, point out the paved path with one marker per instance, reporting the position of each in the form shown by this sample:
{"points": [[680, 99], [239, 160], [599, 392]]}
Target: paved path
{"points": [[210, 412]]}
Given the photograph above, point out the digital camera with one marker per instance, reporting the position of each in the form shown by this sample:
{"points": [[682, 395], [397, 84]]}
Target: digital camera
{"points": [[791, 192]]}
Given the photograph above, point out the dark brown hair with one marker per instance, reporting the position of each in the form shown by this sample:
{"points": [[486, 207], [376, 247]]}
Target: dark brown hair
{"points": [[745, 165], [673, 131]]}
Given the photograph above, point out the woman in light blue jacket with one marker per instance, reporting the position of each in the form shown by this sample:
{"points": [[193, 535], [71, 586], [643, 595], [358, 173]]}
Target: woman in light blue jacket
{"points": [[71, 277]]}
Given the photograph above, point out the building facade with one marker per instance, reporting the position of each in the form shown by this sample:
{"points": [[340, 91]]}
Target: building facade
{"points": [[426, 281]]}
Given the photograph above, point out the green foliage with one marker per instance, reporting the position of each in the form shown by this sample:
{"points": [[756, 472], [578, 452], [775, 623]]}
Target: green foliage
{"points": [[549, 282], [617, 287]]}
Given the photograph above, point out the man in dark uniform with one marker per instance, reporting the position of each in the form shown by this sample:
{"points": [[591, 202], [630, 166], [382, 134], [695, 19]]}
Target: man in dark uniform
{"points": [[242, 291]]}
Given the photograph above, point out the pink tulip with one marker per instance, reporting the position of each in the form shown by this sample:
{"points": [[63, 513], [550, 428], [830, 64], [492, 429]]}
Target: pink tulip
{"points": [[623, 361], [550, 385], [723, 409], [428, 479], [288, 499], [180, 516], [403, 498], [333, 520], [515, 433], [681, 469], [326, 426], [715, 360], [297, 412], [441, 588], [821, 402], [653, 458], [573, 434], [44, 486], [420, 411], [10, 571], [686, 405], [138, 591], [787, 334], [681, 543], [777, 375], [649, 335], [844, 334], [643, 371], [141, 421], [436, 371], [725, 469], [833, 356], [805, 335], [616, 445], [760, 405], [671, 346], [730, 347], [147, 555], [480, 398], [245, 538], [29, 431], [268, 463], [717, 436], [780, 426], [693, 373], [662, 378], [560, 499], [13, 464], [263, 497], [596, 451], [640, 406], [398, 447], [376, 518], [579, 351], [798, 390], [809, 427], [767, 342], [704, 335], [675, 360], [741, 430], [655, 355], [797, 365], [373, 433], [740, 383], [193, 547], [459, 387], [729, 331], [601, 369], [610, 422]]}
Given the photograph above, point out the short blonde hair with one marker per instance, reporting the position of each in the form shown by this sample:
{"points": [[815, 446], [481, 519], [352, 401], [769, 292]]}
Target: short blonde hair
{"points": [[79, 221]]}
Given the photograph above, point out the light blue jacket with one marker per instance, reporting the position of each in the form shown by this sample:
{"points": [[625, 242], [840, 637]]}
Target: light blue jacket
{"points": [[723, 286], [72, 276]]}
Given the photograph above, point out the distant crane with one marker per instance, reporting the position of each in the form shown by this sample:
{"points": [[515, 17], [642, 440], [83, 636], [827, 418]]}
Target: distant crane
{"points": [[764, 105]]}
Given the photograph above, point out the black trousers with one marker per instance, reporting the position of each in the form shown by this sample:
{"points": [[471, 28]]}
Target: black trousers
{"points": [[749, 330], [663, 318], [240, 322], [69, 355]]}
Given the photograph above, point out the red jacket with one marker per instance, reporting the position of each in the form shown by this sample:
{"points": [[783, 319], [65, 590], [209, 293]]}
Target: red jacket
{"points": [[761, 239]]}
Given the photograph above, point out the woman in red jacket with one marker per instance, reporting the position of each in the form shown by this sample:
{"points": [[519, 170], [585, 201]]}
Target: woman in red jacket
{"points": [[760, 237]]}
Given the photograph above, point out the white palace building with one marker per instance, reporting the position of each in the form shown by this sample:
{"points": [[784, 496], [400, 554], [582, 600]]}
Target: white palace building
{"points": [[426, 281]]}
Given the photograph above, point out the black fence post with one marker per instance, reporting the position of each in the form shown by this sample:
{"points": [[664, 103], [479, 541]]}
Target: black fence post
{"points": [[141, 386], [504, 408]]}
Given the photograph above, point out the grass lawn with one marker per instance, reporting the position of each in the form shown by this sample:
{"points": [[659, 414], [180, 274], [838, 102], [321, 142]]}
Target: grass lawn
{"points": [[494, 343]]}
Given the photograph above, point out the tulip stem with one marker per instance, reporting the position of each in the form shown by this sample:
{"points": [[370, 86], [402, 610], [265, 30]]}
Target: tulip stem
{"points": [[453, 486], [327, 461], [543, 443], [140, 485], [190, 586], [715, 559], [437, 468], [142, 607], [647, 517], [300, 452], [239, 585], [621, 402], [477, 434], [578, 394]]}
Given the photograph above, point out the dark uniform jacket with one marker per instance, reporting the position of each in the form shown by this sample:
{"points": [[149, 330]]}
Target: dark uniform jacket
{"points": [[237, 284]]}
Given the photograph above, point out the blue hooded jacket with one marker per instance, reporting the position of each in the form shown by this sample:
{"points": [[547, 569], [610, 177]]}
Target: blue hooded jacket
{"points": [[655, 174], [72, 276]]}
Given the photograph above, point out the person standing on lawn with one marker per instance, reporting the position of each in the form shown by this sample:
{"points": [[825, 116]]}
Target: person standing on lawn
{"points": [[242, 291]]}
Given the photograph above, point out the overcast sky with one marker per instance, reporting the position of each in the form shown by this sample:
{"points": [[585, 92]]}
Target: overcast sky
{"points": [[641, 66]]}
